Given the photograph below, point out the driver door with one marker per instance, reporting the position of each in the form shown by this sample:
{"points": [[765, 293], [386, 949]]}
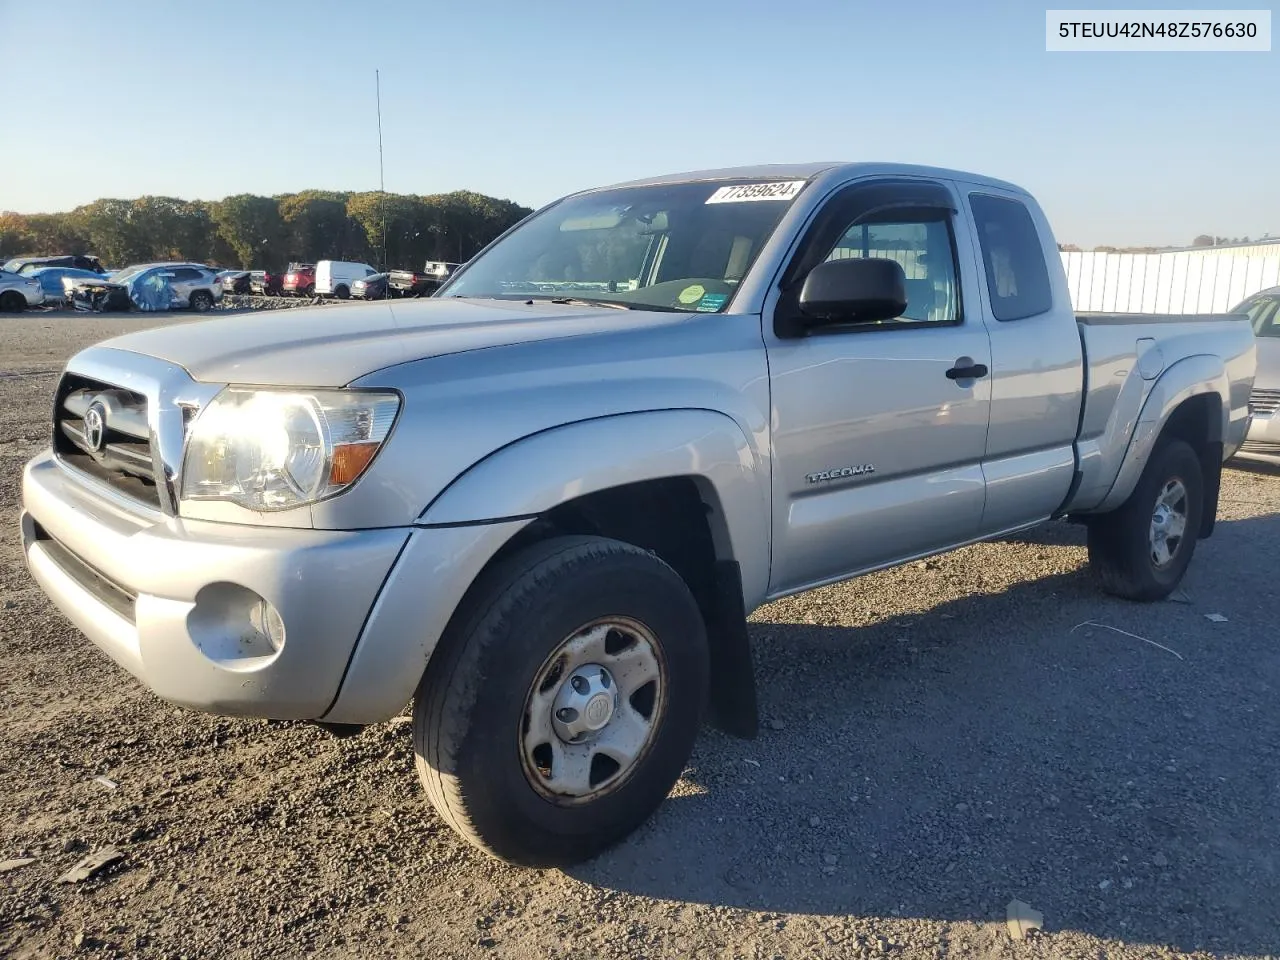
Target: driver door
{"points": [[878, 445]]}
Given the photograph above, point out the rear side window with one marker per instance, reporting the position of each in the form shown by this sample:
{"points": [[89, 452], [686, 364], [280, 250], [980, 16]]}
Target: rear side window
{"points": [[1017, 278]]}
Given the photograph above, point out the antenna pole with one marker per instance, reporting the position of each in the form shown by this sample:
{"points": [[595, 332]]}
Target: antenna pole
{"points": [[382, 184]]}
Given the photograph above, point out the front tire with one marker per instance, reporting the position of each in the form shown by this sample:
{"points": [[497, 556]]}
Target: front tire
{"points": [[341, 292], [1141, 551], [563, 702], [11, 301]]}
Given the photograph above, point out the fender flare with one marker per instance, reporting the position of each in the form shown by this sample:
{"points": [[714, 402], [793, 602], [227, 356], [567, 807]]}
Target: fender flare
{"points": [[543, 470], [1189, 377], [487, 504]]}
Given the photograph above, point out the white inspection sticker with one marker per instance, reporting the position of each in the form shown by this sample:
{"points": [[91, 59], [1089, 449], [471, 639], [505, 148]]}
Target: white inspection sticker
{"points": [[782, 190]]}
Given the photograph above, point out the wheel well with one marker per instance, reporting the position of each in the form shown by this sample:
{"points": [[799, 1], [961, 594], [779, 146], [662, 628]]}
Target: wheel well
{"points": [[1198, 422], [667, 517], [680, 521]]}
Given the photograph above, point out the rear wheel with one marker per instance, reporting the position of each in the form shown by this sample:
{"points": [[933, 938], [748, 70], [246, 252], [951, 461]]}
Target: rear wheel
{"points": [[341, 291], [11, 301], [1141, 551], [564, 701], [201, 301]]}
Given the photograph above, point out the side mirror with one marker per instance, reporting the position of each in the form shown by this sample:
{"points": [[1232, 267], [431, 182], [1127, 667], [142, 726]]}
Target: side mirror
{"points": [[854, 291]]}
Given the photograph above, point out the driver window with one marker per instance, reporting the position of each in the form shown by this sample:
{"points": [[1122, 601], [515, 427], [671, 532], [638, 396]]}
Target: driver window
{"points": [[924, 250]]}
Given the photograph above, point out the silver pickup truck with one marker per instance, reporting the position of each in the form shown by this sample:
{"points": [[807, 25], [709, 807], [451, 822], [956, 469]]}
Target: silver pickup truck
{"points": [[540, 504]]}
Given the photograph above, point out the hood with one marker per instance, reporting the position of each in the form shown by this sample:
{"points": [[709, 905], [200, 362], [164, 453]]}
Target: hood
{"points": [[332, 345], [1268, 375]]}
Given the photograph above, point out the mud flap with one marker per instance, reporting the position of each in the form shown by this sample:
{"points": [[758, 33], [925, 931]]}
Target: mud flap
{"points": [[733, 683], [1212, 486]]}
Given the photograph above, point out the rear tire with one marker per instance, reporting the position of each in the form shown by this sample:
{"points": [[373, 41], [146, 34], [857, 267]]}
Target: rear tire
{"points": [[341, 292], [489, 752], [11, 301], [201, 301], [1141, 550]]}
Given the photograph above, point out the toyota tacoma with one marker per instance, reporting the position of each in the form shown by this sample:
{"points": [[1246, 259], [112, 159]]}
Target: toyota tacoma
{"points": [[539, 505]]}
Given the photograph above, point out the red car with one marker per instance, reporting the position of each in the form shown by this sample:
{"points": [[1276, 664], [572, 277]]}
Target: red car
{"points": [[300, 280]]}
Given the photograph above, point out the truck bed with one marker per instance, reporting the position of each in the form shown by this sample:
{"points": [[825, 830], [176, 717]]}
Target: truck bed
{"points": [[1124, 353]]}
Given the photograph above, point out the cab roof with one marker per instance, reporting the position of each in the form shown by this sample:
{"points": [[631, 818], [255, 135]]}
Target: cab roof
{"points": [[807, 171]]}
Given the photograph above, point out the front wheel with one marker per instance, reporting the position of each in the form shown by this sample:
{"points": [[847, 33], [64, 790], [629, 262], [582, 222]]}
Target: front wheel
{"points": [[563, 702], [1142, 550], [11, 301]]}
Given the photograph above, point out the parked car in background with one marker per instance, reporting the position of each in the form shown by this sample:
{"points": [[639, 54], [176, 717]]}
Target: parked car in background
{"points": [[99, 295], [1263, 440], [440, 269], [17, 292], [234, 281], [266, 283], [191, 285], [335, 277], [418, 283], [26, 264], [53, 280], [300, 279], [370, 288]]}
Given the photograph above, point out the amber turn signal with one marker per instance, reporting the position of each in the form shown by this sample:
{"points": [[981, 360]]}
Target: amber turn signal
{"points": [[349, 461]]}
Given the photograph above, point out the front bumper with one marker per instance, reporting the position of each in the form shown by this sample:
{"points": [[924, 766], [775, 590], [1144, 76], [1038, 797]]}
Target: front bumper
{"points": [[162, 596]]}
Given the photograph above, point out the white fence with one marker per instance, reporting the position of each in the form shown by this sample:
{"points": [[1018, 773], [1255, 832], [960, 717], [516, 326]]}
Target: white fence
{"points": [[1165, 282]]}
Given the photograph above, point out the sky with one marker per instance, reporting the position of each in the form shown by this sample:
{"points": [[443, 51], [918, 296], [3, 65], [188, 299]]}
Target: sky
{"points": [[528, 101]]}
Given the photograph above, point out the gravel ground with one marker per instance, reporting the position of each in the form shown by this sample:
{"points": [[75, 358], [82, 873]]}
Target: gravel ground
{"points": [[938, 740]]}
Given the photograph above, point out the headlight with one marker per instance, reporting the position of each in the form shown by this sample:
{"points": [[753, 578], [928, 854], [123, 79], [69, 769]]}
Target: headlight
{"points": [[273, 450]]}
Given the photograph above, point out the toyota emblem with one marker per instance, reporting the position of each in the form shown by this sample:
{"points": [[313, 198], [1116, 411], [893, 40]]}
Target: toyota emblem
{"points": [[95, 426]]}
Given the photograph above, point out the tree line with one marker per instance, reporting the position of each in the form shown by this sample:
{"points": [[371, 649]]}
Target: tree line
{"points": [[254, 232]]}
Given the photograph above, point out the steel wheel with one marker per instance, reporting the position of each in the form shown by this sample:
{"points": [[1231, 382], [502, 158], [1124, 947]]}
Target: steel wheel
{"points": [[1168, 522], [593, 710]]}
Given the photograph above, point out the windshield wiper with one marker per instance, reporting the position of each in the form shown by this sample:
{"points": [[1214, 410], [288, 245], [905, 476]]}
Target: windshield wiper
{"points": [[579, 302]]}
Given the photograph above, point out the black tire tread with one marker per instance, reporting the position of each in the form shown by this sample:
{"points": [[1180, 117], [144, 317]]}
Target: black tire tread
{"points": [[1118, 566], [446, 694]]}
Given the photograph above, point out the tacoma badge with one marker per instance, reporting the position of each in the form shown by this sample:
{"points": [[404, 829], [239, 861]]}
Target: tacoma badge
{"points": [[841, 473]]}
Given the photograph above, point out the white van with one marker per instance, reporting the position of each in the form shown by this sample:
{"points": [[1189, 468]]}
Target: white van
{"points": [[335, 277]]}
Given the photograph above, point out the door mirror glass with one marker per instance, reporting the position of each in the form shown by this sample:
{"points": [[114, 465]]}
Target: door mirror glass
{"points": [[854, 291]]}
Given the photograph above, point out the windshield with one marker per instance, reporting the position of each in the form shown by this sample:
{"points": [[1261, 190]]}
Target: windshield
{"points": [[679, 246]]}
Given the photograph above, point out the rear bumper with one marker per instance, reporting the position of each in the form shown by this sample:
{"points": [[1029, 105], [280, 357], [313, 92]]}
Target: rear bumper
{"points": [[166, 598]]}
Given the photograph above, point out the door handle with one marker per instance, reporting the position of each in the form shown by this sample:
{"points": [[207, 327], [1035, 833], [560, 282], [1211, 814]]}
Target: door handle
{"points": [[967, 371]]}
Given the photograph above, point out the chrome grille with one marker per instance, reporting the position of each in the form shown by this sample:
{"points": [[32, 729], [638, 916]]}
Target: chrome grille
{"points": [[103, 430], [1264, 403]]}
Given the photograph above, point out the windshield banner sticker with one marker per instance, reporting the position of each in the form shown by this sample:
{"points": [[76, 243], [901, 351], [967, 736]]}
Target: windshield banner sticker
{"points": [[711, 302], [782, 190]]}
